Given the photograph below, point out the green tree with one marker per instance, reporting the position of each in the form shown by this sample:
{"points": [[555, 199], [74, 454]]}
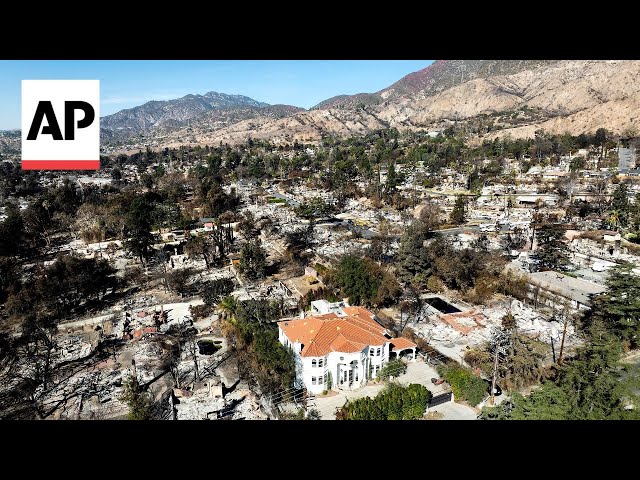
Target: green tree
{"points": [[393, 368], [592, 384], [591, 378], [260, 353], [216, 290], [140, 407], [365, 282], [549, 402], [619, 306], [459, 211], [461, 268], [70, 284], [521, 367], [216, 201], [253, 260], [464, 383], [577, 163], [138, 228], [393, 179], [299, 241], [314, 208], [600, 139], [552, 251], [412, 263], [620, 204], [228, 306]]}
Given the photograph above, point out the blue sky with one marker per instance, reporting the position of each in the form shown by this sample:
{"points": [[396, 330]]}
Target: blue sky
{"points": [[127, 83]]}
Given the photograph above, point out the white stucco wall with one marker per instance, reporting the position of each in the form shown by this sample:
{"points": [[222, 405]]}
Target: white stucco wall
{"points": [[334, 363], [377, 361], [309, 371]]}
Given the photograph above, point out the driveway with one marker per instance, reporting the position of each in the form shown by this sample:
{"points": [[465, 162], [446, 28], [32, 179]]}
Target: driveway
{"points": [[417, 372], [454, 411]]}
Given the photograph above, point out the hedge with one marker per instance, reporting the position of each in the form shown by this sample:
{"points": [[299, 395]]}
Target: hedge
{"points": [[465, 384], [395, 402]]}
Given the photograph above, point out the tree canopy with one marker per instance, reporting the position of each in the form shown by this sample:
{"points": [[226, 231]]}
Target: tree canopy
{"points": [[365, 282], [552, 251], [253, 260]]}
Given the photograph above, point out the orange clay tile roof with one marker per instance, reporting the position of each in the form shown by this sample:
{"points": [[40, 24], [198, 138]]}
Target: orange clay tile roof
{"points": [[401, 343], [326, 333], [304, 329], [364, 318]]}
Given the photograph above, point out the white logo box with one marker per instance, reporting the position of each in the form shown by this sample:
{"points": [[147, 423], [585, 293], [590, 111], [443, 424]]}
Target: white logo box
{"points": [[47, 153]]}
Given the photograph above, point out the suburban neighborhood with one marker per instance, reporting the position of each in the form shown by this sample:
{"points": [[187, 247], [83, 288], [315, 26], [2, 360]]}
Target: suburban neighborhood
{"points": [[434, 272]]}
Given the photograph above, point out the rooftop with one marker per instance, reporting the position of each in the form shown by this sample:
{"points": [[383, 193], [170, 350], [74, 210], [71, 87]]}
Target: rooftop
{"points": [[322, 334], [401, 343]]}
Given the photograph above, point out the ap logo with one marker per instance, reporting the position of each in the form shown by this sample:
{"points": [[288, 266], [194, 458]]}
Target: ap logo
{"points": [[60, 124]]}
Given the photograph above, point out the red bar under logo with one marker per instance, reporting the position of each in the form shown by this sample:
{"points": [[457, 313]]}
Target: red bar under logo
{"points": [[60, 164]]}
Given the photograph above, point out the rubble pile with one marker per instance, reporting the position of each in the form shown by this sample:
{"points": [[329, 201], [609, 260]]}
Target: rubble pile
{"points": [[453, 341]]}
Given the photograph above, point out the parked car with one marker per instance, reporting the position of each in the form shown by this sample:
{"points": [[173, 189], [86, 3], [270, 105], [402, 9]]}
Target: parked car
{"points": [[437, 381]]}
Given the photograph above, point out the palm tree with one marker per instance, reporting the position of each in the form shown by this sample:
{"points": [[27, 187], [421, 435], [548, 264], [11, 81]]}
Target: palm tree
{"points": [[227, 307], [614, 219]]}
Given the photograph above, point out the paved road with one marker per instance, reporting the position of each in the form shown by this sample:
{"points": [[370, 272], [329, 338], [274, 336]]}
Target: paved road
{"points": [[468, 228], [458, 230], [417, 372]]}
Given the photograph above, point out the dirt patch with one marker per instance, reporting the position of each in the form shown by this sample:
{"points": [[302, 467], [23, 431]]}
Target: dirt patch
{"points": [[302, 285], [435, 415], [330, 393]]}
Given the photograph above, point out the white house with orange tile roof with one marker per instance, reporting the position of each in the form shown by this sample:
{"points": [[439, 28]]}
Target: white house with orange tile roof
{"points": [[339, 345]]}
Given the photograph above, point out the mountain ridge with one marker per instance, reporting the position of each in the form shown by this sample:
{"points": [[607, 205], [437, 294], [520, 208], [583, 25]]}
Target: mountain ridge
{"points": [[492, 98], [158, 113]]}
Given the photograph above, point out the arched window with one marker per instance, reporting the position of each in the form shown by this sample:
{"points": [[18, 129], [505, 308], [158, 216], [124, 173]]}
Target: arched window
{"points": [[314, 363], [378, 352]]}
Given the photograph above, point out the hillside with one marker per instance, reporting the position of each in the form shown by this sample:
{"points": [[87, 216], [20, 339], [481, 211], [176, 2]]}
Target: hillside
{"points": [[444, 74], [304, 126], [172, 113], [435, 78], [489, 97], [574, 96]]}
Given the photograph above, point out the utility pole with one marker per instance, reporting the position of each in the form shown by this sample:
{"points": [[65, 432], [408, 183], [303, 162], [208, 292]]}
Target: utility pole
{"points": [[500, 338], [564, 334], [493, 380]]}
